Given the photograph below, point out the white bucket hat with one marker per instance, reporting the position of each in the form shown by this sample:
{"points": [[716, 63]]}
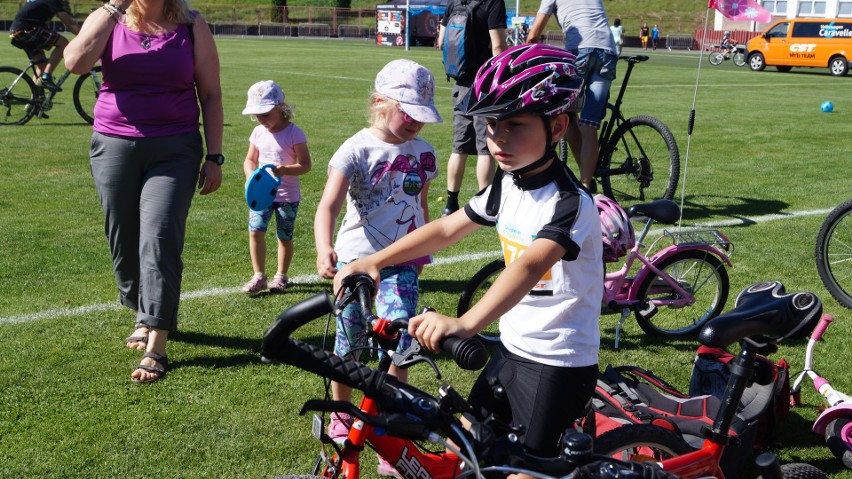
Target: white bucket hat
{"points": [[263, 96], [413, 86]]}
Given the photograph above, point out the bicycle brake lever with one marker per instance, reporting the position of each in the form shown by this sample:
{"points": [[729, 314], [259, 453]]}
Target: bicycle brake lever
{"points": [[412, 356]]}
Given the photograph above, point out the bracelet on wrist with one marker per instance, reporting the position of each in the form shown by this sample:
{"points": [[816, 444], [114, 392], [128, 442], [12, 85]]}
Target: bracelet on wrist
{"points": [[112, 12], [121, 10]]}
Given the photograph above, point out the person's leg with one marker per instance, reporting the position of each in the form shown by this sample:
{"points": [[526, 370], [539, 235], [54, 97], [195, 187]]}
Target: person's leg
{"points": [[464, 144], [598, 67], [168, 186], [455, 174], [397, 299], [117, 181], [285, 219], [56, 55], [485, 164], [258, 225], [257, 249]]}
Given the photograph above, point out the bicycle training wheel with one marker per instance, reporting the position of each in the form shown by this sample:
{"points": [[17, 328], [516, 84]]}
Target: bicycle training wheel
{"points": [[739, 59], [18, 97], [838, 441], [697, 272], [475, 288], [641, 162], [641, 442], [86, 92], [715, 58], [834, 253]]}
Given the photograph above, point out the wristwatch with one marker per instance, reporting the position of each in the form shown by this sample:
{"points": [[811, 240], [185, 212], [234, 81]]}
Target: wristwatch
{"points": [[217, 158]]}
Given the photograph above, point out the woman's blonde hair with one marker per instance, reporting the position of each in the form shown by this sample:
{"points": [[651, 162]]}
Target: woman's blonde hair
{"points": [[175, 11], [380, 105]]}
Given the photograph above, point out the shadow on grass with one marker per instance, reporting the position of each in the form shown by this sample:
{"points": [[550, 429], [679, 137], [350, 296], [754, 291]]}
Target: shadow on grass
{"points": [[696, 207]]}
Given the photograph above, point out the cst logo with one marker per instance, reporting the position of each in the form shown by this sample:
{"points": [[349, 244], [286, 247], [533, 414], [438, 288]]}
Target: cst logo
{"points": [[802, 47]]}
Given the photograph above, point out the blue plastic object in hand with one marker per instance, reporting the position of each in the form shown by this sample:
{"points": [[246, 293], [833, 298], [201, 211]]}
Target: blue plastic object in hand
{"points": [[262, 188]]}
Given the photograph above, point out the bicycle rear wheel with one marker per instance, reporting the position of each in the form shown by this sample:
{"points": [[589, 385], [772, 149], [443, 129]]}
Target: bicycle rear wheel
{"points": [[699, 273], [641, 162], [739, 59], [834, 253], [641, 442], [18, 97], [86, 92], [715, 58]]}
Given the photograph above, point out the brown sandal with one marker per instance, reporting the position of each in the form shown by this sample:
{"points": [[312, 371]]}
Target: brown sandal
{"points": [[138, 339], [162, 361]]}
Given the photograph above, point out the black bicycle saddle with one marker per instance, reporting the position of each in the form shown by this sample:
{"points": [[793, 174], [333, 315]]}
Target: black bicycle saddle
{"points": [[764, 314], [666, 212]]}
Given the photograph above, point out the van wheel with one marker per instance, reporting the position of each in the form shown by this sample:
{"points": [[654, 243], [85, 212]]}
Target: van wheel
{"points": [[756, 62], [838, 66], [783, 68]]}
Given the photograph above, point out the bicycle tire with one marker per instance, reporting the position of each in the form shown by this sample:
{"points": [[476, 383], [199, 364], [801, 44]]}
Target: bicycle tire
{"points": [[739, 59], [475, 288], [18, 103], [715, 58], [625, 170], [833, 253], [837, 443], [699, 272], [799, 470], [85, 86], [299, 476], [641, 442]]}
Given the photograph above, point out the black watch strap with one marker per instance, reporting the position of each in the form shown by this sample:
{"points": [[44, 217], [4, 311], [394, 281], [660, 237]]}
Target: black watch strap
{"points": [[217, 158]]}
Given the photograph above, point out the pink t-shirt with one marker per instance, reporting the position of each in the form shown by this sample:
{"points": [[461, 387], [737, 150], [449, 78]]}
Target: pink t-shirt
{"points": [[147, 92], [279, 149]]}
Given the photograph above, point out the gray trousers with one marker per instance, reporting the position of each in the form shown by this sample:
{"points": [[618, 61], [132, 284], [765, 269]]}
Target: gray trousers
{"points": [[145, 186]]}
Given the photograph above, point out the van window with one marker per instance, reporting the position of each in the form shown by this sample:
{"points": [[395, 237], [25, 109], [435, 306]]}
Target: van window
{"points": [[779, 30], [822, 30]]}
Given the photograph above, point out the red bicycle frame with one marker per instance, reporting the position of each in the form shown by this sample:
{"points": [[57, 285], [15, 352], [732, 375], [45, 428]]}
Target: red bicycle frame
{"points": [[405, 456]]}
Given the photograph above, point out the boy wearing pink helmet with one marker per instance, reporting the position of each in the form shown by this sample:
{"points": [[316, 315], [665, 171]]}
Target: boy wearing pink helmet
{"points": [[548, 298]]}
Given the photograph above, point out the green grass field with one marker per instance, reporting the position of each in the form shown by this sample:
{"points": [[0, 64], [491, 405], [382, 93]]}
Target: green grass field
{"points": [[763, 158]]}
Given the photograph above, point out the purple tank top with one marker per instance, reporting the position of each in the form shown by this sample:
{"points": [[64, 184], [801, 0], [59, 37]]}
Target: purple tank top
{"points": [[147, 92]]}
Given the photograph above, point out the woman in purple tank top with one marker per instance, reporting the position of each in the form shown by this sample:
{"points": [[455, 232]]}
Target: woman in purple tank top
{"points": [[160, 70]]}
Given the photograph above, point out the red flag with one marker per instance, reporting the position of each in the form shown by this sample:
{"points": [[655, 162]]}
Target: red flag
{"points": [[738, 10]]}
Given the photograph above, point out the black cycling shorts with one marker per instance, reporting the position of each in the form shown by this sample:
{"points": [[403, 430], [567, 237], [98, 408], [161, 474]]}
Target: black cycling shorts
{"points": [[34, 41]]}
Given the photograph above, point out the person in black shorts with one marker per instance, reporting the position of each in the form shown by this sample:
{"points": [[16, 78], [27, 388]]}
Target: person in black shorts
{"points": [[31, 33]]}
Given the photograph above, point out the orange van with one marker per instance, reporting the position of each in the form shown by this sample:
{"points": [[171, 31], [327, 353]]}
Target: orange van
{"points": [[803, 42]]}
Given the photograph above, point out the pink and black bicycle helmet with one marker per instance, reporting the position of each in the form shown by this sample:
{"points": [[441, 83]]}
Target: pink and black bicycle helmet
{"points": [[617, 231], [531, 78]]}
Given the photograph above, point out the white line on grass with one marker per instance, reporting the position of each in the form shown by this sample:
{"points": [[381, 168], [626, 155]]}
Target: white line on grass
{"points": [[312, 278]]}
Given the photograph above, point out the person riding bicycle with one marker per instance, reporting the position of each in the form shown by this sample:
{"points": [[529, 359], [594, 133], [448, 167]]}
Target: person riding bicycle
{"points": [[728, 45], [548, 297], [31, 33]]}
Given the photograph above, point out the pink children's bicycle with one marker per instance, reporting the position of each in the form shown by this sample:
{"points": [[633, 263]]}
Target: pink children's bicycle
{"points": [[673, 293], [835, 423]]}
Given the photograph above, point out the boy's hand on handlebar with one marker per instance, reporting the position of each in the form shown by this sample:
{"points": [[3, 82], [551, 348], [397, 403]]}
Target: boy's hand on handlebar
{"points": [[357, 266], [430, 328]]}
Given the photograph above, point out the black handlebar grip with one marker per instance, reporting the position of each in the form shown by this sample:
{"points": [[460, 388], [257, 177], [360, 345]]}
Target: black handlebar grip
{"points": [[468, 353]]}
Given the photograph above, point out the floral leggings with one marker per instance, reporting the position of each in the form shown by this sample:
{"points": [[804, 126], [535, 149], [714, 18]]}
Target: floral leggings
{"points": [[397, 299]]}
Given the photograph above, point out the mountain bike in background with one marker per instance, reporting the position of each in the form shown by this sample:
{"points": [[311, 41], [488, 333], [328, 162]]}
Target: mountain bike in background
{"points": [[22, 99], [834, 253]]}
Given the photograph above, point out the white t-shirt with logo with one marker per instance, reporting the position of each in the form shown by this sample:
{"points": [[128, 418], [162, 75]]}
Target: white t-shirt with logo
{"points": [[279, 149], [383, 201], [557, 322]]}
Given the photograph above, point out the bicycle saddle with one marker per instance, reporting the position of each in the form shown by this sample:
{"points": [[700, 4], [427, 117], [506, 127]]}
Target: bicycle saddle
{"points": [[764, 314], [666, 212]]}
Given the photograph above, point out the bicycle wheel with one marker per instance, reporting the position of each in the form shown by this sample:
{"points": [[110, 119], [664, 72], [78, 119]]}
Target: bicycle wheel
{"points": [[301, 476], [699, 273], [18, 97], [838, 441], [739, 59], [834, 253], [641, 442], [475, 288], [799, 470], [86, 92], [715, 58], [627, 167]]}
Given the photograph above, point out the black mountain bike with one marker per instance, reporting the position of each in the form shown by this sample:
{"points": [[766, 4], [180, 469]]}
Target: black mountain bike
{"points": [[638, 158], [21, 99]]}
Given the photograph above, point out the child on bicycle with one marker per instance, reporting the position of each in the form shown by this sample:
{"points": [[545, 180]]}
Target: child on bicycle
{"points": [[727, 45], [548, 297], [277, 141], [383, 172]]}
